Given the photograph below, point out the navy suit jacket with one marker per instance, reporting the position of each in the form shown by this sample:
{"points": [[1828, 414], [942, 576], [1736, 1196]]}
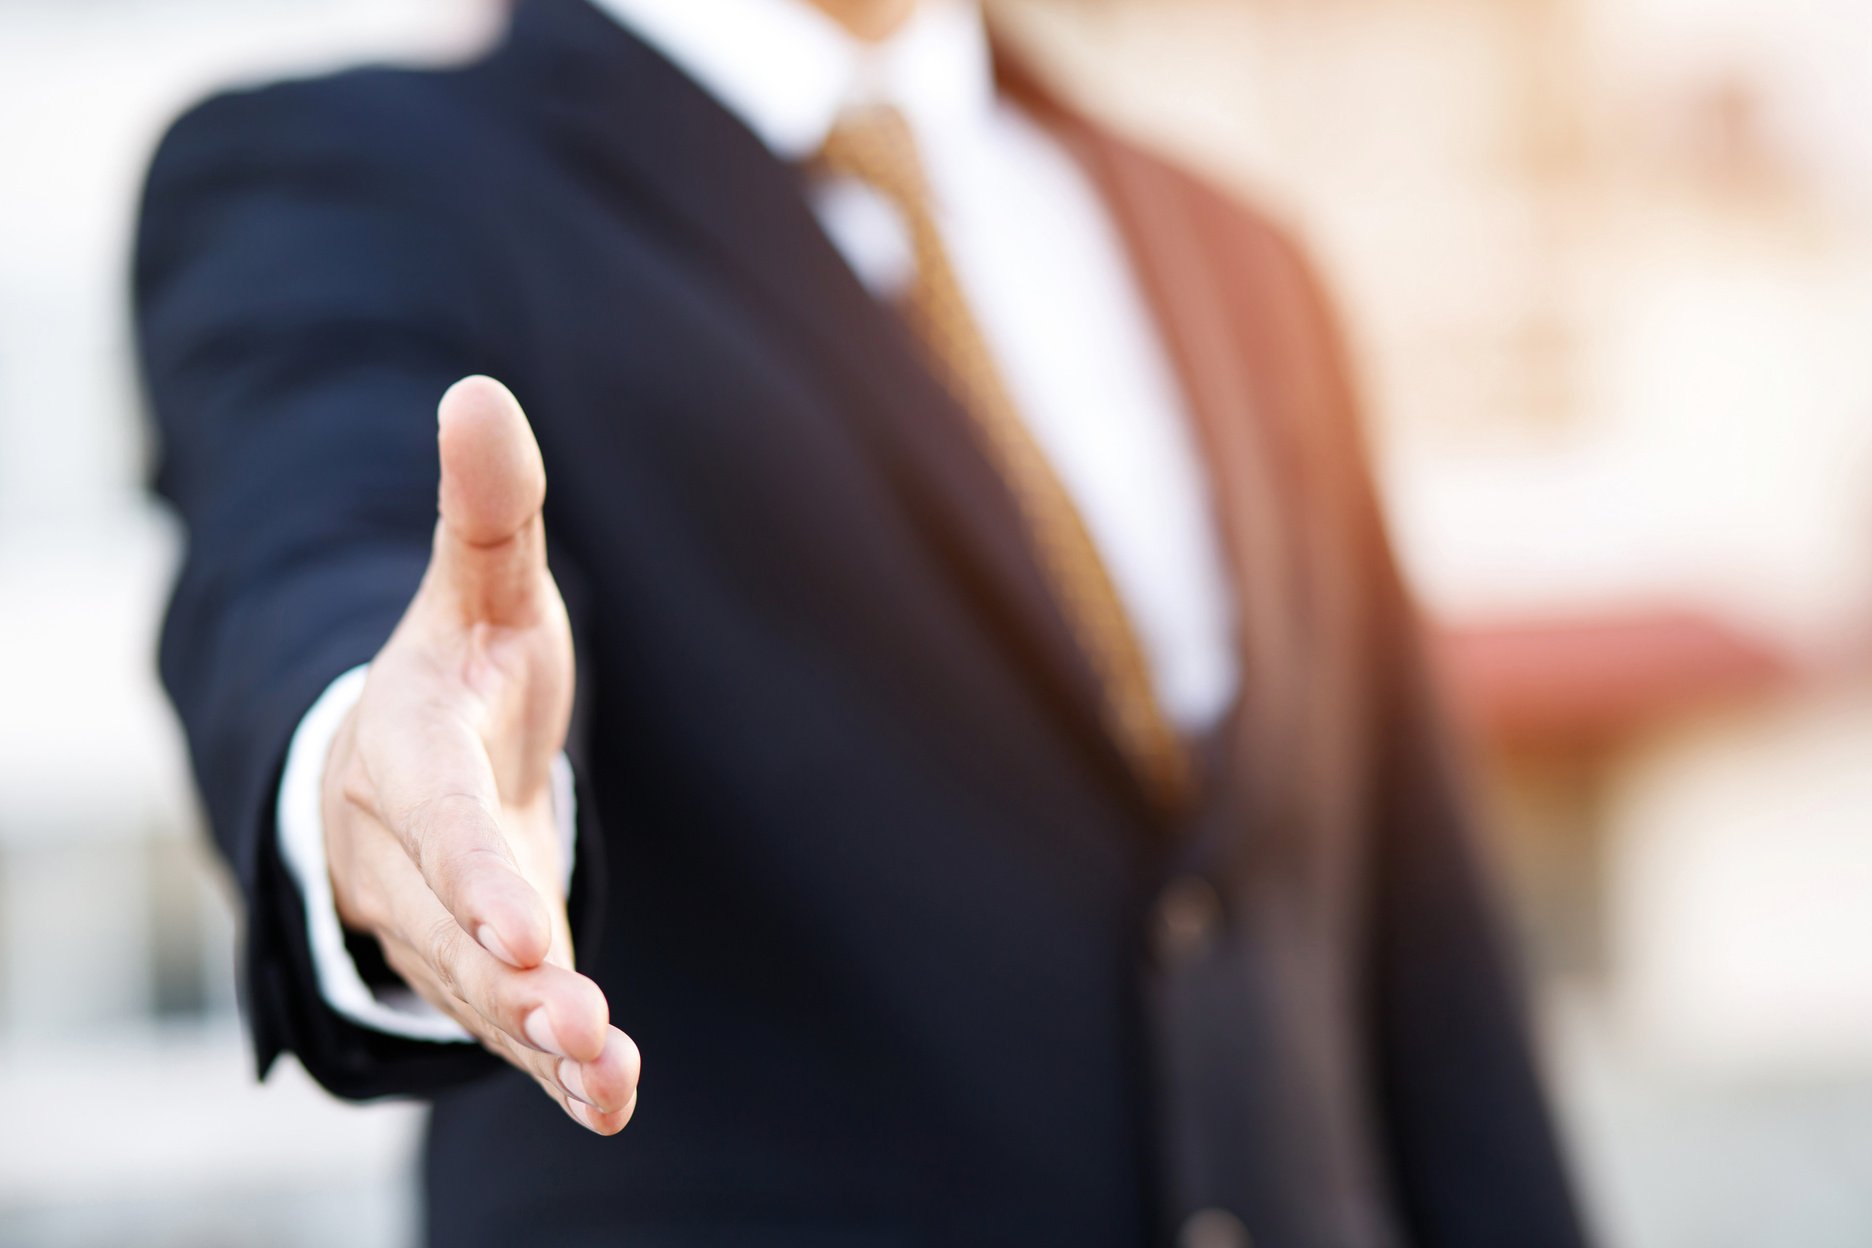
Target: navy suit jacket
{"points": [[859, 868]]}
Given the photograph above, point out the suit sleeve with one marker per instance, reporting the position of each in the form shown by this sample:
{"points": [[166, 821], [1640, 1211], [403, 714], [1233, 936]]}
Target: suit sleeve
{"points": [[300, 309], [1474, 1154]]}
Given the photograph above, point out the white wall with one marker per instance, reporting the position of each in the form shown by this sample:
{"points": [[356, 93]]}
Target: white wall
{"points": [[132, 1117]]}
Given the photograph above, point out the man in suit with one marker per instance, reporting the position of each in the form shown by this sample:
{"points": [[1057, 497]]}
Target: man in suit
{"points": [[998, 784]]}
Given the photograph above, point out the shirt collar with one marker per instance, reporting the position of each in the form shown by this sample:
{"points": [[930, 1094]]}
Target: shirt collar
{"points": [[787, 70]]}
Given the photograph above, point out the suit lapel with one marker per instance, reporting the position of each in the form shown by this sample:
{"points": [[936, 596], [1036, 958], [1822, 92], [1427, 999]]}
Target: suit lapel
{"points": [[1241, 385], [627, 118]]}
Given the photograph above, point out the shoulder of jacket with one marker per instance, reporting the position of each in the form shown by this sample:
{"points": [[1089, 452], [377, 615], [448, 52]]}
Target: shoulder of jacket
{"points": [[372, 117]]}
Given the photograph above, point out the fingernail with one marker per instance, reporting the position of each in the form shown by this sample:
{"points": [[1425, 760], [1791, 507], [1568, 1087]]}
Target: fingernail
{"points": [[539, 1031], [491, 941], [574, 1082]]}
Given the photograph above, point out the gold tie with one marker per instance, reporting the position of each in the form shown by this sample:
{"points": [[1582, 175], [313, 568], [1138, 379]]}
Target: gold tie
{"points": [[874, 144]]}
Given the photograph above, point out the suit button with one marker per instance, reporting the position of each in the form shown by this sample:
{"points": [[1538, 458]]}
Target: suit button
{"points": [[1188, 913], [1214, 1228]]}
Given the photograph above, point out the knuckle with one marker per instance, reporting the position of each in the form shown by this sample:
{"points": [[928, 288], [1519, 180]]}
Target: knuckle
{"points": [[460, 866], [441, 945], [355, 794], [502, 1005], [499, 1044], [349, 782], [359, 888], [362, 905], [464, 882], [428, 823], [524, 1060], [346, 777]]}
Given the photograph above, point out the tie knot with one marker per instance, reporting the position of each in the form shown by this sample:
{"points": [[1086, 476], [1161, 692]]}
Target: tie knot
{"points": [[874, 144]]}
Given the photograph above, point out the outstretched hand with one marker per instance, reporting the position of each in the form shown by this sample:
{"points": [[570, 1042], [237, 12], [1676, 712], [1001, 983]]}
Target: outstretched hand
{"points": [[437, 796]]}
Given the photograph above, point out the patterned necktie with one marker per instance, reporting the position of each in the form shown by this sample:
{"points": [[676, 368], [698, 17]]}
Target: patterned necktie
{"points": [[874, 145]]}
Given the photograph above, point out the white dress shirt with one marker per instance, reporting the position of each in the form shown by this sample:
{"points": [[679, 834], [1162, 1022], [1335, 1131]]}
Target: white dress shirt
{"points": [[1047, 276]]}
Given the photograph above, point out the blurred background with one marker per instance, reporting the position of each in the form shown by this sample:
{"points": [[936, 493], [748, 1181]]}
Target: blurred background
{"points": [[1608, 264]]}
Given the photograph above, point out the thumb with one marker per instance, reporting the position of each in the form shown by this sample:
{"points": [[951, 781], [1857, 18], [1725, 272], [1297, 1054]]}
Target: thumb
{"points": [[490, 550]]}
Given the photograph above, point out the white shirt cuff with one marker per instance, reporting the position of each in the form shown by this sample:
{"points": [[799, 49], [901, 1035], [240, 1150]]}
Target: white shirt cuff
{"points": [[397, 1011]]}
